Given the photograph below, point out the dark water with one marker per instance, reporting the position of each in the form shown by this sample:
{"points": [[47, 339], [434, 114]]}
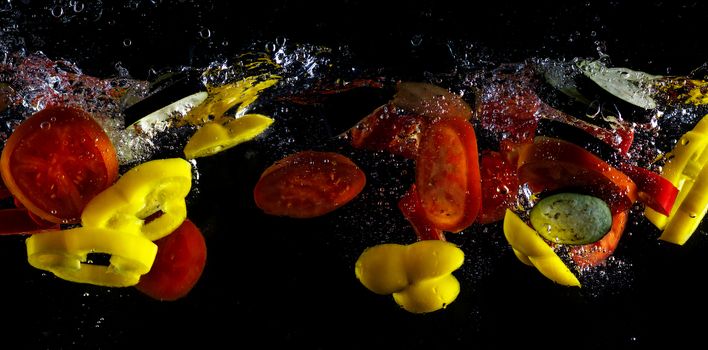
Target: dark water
{"points": [[274, 281]]}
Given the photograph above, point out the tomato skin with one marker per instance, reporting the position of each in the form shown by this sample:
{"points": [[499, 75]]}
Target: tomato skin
{"points": [[411, 208], [181, 257], [19, 221], [56, 161], [447, 174], [308, 184], [499, 186]]}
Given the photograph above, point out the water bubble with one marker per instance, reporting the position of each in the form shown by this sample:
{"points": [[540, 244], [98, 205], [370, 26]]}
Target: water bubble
{"points": [[205, 33], [225, 43], [127, 42], [416, 40], [78, 6], [57, 11], [45, 125]]}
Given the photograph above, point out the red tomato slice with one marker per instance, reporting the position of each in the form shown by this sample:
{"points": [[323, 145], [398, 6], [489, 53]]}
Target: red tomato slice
{"points": [[593, 254], [56, 161], [499, 186], [308, 184], [412, 209], [549, 164], [180, 261], [447, 174], [386, 130]]}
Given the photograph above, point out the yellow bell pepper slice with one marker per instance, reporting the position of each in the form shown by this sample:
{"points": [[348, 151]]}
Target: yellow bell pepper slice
{"points": [[419, 276], [531, 249], [686, 169], [64, 253], [222, 98], [157, 186], [215, 137]]}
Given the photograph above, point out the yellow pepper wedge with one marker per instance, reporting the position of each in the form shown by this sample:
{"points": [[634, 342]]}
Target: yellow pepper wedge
{"points": [[531, 249], [64, 253], [686, 169], [419, 276], [215, 137], [157, 186]]}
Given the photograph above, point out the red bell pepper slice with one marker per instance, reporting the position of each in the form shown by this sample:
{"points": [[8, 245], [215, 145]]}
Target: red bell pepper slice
{"points": [[412, 209], [655, 191]]}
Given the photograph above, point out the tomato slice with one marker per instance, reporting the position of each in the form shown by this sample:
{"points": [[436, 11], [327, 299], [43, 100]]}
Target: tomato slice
{"points": [[499, 186], [308, 184], [180, 261], [411, 208], [593, 254], [56, 161], [447, 174], [4, 192], [550, 164], [386, 130]]}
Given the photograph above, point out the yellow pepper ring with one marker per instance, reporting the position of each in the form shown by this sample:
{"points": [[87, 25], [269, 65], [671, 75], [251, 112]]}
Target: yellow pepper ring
{"points": [[64, 253], [149, 188]]}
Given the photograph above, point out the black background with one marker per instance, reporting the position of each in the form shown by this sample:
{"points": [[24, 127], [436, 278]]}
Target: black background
{"points": [[274, 281]]}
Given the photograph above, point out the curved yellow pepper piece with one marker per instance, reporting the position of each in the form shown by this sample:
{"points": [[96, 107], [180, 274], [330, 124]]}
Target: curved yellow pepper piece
{"points": [[686, 169], [531, 249], [64, 253], [418, 275], [215, 137], [157, 186]]}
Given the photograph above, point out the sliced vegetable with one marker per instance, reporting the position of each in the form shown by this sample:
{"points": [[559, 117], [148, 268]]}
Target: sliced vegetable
{"points": [[214, 137], [654, 191], [499, 186], [529, 247], [447, 174], [626, 84], [180, 261], [387, 130], [571, 218], [56, 161], [164, 114], [551, 164], [65, 254], [593, 254], [308, 184], [430, 100], [418, 275], [411, 208], [685, 169], [157, 187]]}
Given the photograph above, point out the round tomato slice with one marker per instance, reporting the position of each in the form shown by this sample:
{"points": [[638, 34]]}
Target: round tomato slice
{"points": [[56, 161], [180, 261], [447, 174], [308, 184]]}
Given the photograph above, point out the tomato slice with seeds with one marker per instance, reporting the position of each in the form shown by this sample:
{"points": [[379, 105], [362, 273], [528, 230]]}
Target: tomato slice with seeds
{"points": [[593, 254], [56, 161], [447, 174], [387, 130], [308, 184]]}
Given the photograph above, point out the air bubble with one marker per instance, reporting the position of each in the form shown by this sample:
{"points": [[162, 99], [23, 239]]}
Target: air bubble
{"points": [[78, 6], [127, 42], [205, 33], [57, 11], [45, 125]]}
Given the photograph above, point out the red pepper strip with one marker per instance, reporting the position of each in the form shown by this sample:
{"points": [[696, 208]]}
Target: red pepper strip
{"points": [[620, 138], [550, 164], [19, 221], [593, 254], [412, 209], [655, 191]]}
